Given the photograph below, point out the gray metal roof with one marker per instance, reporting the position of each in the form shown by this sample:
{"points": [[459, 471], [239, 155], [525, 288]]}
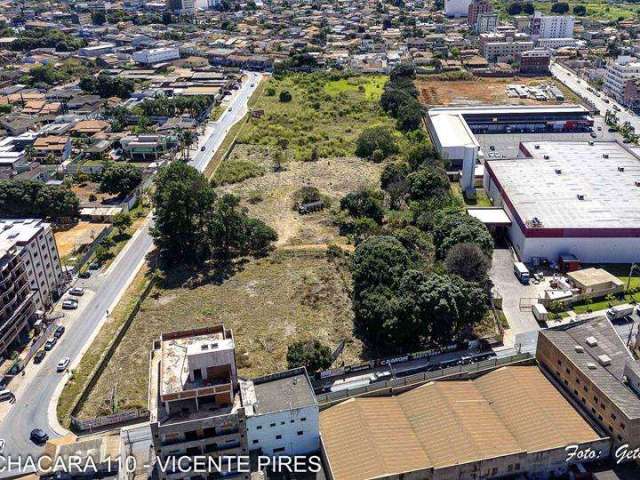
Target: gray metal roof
{"points": [[277, 393], [608, 379]]}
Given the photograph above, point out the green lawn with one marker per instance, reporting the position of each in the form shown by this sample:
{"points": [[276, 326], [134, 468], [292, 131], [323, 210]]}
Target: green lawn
{"points": [[325, 113], [604, 304], [371, 86], [597, 9]]}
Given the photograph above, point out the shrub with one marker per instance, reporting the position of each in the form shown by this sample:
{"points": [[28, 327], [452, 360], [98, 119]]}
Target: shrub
{"points": [[235, 171]]}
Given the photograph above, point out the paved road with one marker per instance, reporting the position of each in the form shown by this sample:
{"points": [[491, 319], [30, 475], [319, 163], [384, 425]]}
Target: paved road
{"points": [[579, 86], [35, 395]]}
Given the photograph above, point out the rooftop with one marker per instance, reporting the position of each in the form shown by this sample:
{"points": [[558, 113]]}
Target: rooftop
{"points": [[449, 423], [593, 276], [607, 379], [177, 346], [577, 185], [285, 391]]}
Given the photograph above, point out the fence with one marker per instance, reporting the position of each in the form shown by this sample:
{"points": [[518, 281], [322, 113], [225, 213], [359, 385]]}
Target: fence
{"points": [[127, 416], [418, 378], [92, 248], [106, 356]]}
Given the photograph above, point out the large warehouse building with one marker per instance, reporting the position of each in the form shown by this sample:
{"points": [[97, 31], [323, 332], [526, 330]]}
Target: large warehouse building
{"points": [[570, 198], [454, 128], [461, 430]]}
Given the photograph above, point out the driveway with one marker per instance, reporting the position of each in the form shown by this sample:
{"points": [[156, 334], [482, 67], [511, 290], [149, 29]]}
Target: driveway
{"points": [[506, 285]]}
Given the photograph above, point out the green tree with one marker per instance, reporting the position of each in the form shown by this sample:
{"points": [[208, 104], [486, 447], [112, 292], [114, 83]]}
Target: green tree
{"points": [[468, 261], [560, 8], [311, 354], [376, 138], [183, 201], [120, 179], [579, 10], [514, 8], [121, 222], [528, 8], [453, 228], [98, 18], [285, 96], [427, 183], [363, 203]]}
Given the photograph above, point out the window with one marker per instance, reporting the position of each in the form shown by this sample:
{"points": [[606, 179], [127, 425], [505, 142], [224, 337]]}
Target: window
{"points": [[559, 362], [303, 419], [254, 442], [622, 426], [278, 437], [300, 433], [613, 416], [517, 466], [278, 450], [272, 425], [259, 427]]}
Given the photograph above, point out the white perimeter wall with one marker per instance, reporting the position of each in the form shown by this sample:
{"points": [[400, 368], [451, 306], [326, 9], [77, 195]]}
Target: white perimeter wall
{"points": [[287, 424]]}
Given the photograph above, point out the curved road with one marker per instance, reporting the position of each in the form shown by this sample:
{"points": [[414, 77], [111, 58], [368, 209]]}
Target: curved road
{"points": [[37, 395]]}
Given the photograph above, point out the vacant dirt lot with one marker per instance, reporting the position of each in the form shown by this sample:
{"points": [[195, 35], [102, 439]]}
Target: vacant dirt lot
{"points": [[86, 189], [481, 91], [83, 233], [269, 304], [270, 197]]}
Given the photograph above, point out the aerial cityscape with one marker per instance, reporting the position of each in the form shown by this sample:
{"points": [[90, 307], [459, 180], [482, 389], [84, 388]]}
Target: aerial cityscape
{"points": [[320, 240]]}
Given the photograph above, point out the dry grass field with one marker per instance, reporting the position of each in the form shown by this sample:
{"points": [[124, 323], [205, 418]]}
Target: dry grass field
{"points": [[482, 91], [270, 196], [270, 303], [82, 233]]}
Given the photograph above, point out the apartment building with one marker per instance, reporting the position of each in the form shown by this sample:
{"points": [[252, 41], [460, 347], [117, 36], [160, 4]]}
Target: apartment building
{"points": [[156, 55], [182, 6], [505, 50], [476, 8], [486, 22], [551, 26], [17, 307], [39, 253], [195, 400], [456, 8], [283, 416], [594, 366], [619, 72]]}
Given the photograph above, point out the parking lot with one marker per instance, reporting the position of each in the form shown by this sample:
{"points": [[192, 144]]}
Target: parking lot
{"points": [[514, 295]]}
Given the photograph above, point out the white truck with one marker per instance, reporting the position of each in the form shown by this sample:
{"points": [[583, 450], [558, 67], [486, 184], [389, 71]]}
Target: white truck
{"points": [[619, 311]]}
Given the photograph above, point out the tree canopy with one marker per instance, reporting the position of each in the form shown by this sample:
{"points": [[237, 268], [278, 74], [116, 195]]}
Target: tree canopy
{"points": [[120, 179], [311, 354], [376, 139], [28, 198], [193, 225]]}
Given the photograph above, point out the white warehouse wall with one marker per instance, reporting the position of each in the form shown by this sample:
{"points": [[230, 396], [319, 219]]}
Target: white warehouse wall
{"points": [[587, 250], [262, 431]]}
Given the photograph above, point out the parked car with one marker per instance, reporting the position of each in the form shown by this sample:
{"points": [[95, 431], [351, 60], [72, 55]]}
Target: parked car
{"points": [[85, 274], [94, 266], [69, 304], [39, 436], [38, 357], [50, 344], [77, 291], [63, 364], [203, 148], [59, 331], [6, 395], [593, 135]]}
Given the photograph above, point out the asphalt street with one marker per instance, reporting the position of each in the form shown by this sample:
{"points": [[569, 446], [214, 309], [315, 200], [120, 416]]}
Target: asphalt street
{"points": [[579, 86], [35, 396]]}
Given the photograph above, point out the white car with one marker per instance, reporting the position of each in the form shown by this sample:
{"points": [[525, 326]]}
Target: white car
{"points": [[69, 304], [63, 364], [76, 291]]}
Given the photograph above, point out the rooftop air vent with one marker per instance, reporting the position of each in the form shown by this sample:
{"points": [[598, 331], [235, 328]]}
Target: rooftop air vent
{"points": [[537, 147], [591, 143], [605, 155], [558, 171], [637, 183], [546, 157], [592, 341], [605, 360], [579, 348], [580, 196], [621, 169]]}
